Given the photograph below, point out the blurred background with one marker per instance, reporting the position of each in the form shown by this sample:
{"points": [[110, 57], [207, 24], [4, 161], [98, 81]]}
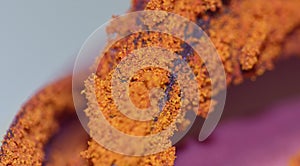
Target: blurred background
{"points": [[39, 40]]}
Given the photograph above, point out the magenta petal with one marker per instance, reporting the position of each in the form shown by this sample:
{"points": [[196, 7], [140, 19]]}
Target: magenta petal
{"points": [[268, 139]]}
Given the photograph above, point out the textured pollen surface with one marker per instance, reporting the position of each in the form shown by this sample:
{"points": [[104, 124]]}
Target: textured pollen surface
{"points": [[35, 124], [248, 35], [101, 156]]}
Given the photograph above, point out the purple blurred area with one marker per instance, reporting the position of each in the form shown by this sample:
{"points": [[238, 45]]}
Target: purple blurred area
{"points": [[260, 124]]}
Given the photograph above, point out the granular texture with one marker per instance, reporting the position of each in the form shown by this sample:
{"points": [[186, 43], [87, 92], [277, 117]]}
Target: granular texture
{"points": [[249, 35], [38, 120]]}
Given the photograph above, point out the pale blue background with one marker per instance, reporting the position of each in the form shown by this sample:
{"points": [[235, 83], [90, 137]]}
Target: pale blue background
{"points": [[38, 39]]}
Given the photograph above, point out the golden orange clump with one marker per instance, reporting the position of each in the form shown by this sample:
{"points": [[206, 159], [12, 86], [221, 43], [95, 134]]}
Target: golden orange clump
{"points": [[99, 156], [295, 161], [248, 36], [36, 123]]}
